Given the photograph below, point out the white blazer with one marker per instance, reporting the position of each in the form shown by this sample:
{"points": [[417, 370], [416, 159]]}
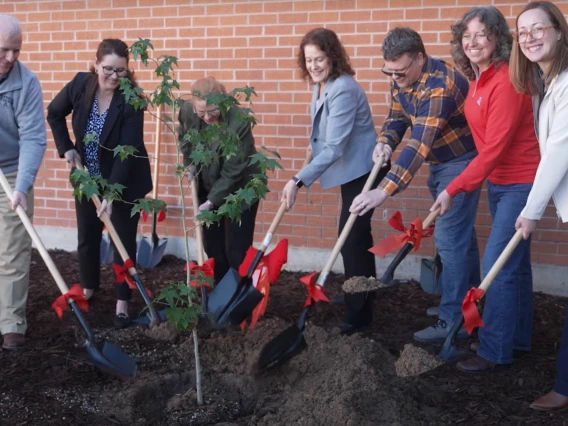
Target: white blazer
{"points": [[552, 175]]}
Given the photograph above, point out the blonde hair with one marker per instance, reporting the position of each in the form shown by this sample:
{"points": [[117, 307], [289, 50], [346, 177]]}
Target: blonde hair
{"points": [[206, 86], [524, 74]]}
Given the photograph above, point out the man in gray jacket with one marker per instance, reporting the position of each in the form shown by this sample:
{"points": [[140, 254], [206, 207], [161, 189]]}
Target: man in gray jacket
{"points": [[22, 145]]}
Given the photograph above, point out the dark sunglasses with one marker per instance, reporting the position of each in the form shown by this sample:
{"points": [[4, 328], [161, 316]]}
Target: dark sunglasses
{"points": [[398, 74]]}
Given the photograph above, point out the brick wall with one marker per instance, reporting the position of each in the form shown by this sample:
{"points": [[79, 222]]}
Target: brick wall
{"points": [[249, 43]]}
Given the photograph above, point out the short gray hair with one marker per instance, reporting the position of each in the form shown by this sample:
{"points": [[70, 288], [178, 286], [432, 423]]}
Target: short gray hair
{"points": [[9, 26], [402, 40]]}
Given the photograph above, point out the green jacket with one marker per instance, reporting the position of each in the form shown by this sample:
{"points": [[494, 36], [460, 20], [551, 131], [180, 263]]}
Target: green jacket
{"points": [[222, 177]]}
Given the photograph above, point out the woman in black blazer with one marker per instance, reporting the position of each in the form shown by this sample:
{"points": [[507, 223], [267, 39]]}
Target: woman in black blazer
{"points": [[101, 112]]}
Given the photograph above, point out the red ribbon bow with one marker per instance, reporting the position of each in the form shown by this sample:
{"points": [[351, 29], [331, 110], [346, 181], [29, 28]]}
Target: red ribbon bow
{"points": [[161, 215], [469, 309], [262, 284], [61, 303], [315, 291], [413, 235], [208, 269], [122, 273], [273, 261]]}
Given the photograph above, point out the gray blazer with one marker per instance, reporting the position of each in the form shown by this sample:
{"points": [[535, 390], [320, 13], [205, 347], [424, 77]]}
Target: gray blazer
{"points": [[343, 134]]}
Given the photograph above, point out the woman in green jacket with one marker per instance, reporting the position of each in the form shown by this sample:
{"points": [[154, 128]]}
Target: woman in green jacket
{"points": [[227, 242]]}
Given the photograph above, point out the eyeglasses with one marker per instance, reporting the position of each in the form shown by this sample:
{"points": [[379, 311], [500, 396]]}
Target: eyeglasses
{"points": [[398, 74], [213, 113], [120, 72], [536, 33]]}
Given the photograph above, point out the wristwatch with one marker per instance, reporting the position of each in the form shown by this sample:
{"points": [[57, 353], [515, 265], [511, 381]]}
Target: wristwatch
{"points": [[298, 182]]}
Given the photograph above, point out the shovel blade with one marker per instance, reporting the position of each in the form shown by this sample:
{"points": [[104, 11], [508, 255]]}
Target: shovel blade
{"points": [[223, 293], [241, 307], [110, 358], [107, 251], [146, 319], [281, 349], [449, 351], [150, 255]]}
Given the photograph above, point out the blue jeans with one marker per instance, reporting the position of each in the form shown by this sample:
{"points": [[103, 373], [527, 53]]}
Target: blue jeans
{"points": [[455, 238], [508, 311], [561, 383]]}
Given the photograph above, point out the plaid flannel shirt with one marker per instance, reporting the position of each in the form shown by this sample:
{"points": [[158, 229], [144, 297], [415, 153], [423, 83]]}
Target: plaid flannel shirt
{"points": [[434, 110]]}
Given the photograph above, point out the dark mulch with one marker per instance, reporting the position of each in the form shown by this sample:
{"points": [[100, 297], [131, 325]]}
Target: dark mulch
{"points": [[51, 384]]}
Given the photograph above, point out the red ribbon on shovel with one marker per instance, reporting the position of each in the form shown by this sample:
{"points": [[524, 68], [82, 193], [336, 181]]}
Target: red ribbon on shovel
{"points": [[262, 285], [414, 235], [123, 275], [208, 269], [161, 215], [469, 309], [61, 303], [315, 291], [273, 261]]}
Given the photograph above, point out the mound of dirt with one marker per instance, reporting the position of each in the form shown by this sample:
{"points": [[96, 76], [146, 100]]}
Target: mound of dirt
{"points": [[361, 284], [164, 331], [414, 361]]}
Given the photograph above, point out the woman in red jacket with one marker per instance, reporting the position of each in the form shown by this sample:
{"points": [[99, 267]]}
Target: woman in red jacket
{"points": [[501, 121]]}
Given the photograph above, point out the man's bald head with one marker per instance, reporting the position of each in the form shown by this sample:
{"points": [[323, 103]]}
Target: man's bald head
{"points": [[9, 27]]}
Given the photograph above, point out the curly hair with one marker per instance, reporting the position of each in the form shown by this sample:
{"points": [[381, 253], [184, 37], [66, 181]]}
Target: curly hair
{"points": [[328, 42], [495, 26]]}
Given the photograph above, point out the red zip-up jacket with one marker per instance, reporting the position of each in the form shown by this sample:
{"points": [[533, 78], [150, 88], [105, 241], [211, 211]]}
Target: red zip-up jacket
{"points": [[501, 121]]}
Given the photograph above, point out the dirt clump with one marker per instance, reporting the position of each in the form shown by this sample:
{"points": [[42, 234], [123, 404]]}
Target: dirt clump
{"points": [[361, 284], [164, 331], [414, 361]]}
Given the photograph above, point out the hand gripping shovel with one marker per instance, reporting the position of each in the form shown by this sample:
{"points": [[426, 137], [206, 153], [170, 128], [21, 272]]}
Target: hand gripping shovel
{"points": [[104, 355], [291, 341], [151, 250], [388, 275], [234, 298], [470, 314], [155, 318]]}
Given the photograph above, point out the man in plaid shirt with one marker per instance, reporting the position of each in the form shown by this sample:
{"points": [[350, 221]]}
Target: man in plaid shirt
{"points": [[427, 96]]}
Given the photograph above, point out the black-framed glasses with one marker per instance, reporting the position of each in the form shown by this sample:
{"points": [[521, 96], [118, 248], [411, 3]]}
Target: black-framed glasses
{"points": [[536, 33], [213, 113], [120, 72], [398, 74]]}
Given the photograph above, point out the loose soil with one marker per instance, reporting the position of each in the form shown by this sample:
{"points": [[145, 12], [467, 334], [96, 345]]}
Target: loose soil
{"points": [[361, 285], [337, 380], [415, 360]]}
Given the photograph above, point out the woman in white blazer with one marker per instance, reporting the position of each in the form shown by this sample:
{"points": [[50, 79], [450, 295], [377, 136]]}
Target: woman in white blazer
{"points": [[342, 140], [539, 67]]}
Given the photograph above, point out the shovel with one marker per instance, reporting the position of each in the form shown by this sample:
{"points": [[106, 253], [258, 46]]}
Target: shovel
{"points": [[154, 318], [449, 351], [388, 275], [151, 251], [291, 341], [104, 355], [234, 298], [199, 240]]}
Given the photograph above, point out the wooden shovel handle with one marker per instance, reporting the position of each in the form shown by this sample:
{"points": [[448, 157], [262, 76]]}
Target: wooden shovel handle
{"points": [[198, 224], [431, 218], [110, 228], [280, 214], [35, 238], [501, 260], [347, 228], [157, 151]]}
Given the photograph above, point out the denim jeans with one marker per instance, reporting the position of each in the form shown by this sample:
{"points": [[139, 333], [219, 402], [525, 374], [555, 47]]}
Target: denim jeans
{"points": [[561, 383], [508, 311], [455, 238]]}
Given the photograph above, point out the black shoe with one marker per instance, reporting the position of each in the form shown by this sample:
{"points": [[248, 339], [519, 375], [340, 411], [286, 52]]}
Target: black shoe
{"points": [[122, 321], [338, 301]]}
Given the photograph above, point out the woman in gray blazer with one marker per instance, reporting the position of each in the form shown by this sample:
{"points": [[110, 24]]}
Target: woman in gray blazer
{"points": [[342, 140]]}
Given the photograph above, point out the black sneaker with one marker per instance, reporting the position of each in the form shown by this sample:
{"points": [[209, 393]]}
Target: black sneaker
{"points": [[122, 321]]}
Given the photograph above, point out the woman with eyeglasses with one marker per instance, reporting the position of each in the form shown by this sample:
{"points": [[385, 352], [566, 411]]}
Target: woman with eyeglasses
{"points": [[501, 121], [228, 241], [101, 121], [539, 67], [342, 139]]}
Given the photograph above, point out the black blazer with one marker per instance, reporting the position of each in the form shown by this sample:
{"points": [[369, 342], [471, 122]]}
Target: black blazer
{"points": [[123, 126]]}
